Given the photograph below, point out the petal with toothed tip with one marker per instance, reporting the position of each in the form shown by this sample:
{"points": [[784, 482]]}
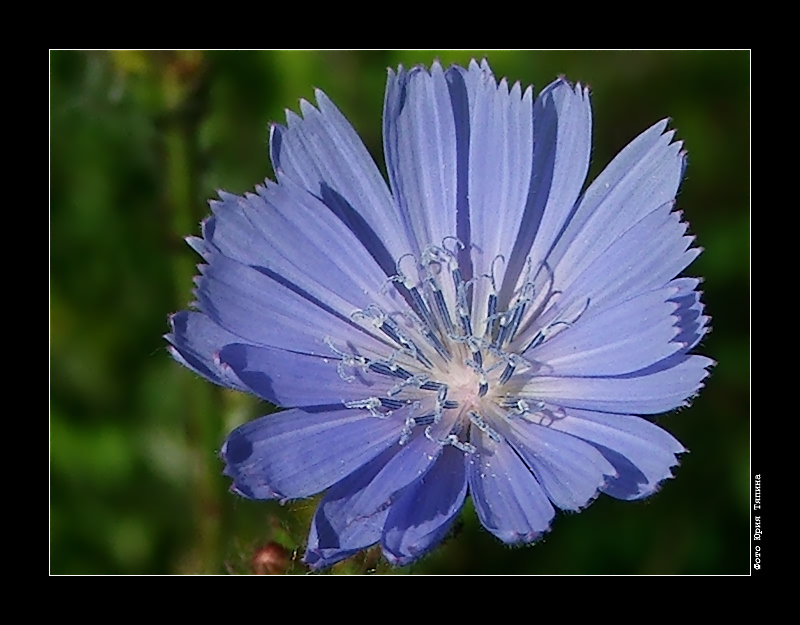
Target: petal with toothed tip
{"points": [[283, 230], [641, 452], [562, 126], [659, 388], [570, 471], [500, 165], [621, 339], [323, 153]]}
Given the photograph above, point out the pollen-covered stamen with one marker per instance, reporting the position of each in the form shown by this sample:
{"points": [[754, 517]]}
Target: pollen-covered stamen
{"points": [[370, 403], [478, 421], [451, 257], [491, 314], [510, 321], [417, 300], [548, 416], [441, 306], [442, 403], [533, 410], [491, 300], [450, 439], [428, 419], [542, 297], [440, 256], [475, 345], [381, 321], [411, 422], [437, 350], [347, 360], [518, 407], [512, 362], [393, 404], [462, 308], [483, 382], [525, 297], [389, 368], [417, 381], [428, 332]]}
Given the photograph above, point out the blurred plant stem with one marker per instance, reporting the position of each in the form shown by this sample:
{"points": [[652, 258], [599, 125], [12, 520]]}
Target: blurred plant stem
{"points": [[180, 74]]}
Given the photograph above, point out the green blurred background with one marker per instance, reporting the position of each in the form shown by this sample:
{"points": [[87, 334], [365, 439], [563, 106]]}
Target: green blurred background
{"points": [[141, 140]]}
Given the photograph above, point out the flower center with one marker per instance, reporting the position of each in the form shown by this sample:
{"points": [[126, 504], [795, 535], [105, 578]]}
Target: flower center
{"points": [[452, 350]]}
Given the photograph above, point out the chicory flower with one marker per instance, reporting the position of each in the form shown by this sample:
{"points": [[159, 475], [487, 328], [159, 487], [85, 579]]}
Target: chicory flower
{"points": [[477, 326]]}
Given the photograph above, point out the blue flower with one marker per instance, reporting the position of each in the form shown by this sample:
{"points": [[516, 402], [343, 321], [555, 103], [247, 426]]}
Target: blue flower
{"points": [[477, 326]]}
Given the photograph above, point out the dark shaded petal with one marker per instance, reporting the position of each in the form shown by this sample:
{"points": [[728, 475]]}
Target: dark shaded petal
{"points": [[509, 501], [196, 343], [562, 126], [410, 463], [642, 453], [425, 511], [693, 323], [298, 453], [334, 536], [571, 471]]}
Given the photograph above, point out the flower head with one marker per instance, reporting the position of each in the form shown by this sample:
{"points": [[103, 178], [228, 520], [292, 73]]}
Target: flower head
{"points": [[477, 326]]}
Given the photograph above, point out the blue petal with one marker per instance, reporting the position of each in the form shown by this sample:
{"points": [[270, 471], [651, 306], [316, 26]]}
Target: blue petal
{"points": [[268, 311], [509, 501], [660, 388], [621, 339], [409, 464], [425, 511], [571, 471], [500, 166], [644, 258], [636, 260], [562, 126], [298, 453], [644, 176], [282, 377], [323, 153], [285, 231], [693, 323], [333, 537], [463, 85], [419, 138], [642, 453], [196, 343]]}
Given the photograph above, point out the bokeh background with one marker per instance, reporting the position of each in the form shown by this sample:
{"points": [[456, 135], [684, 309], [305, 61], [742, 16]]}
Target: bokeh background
{"points": [[141, 140]]}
